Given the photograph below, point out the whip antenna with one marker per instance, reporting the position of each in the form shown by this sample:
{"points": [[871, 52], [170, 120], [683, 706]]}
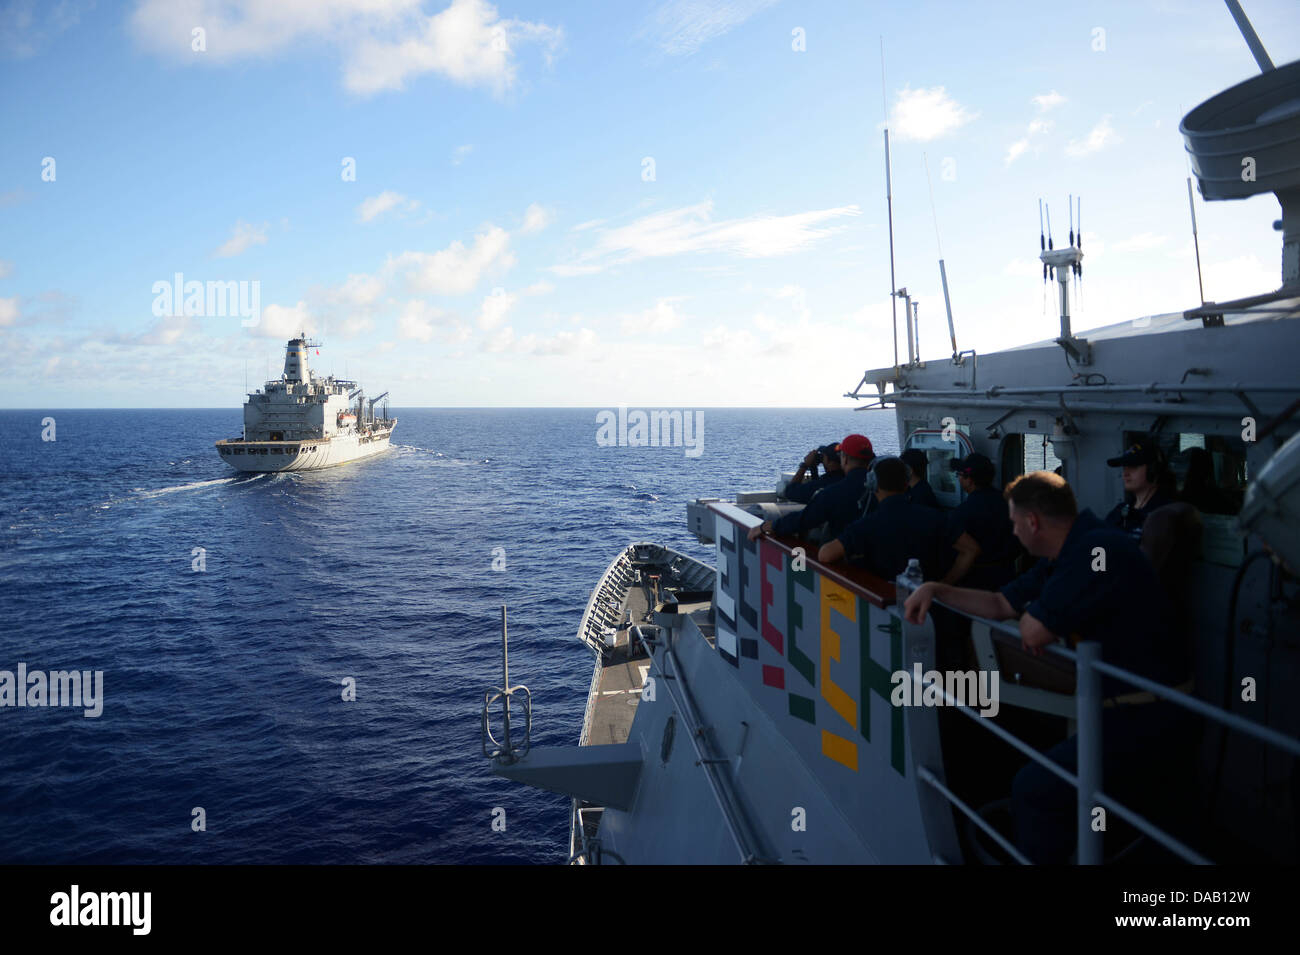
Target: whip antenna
{"points": [[889, 202]]}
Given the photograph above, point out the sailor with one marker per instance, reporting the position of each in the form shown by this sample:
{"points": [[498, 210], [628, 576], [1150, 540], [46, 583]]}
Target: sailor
{"points": [[918, 484], [835, 505], [1146, 486], [1091, 582], [986, 544], [897, 530], [801, 490]]}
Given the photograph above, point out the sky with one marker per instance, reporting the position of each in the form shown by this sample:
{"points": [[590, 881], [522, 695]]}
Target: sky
{"points": [[666, 204]]}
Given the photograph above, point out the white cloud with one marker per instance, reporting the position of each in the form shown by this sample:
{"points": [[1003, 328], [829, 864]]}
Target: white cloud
{"points": [[569, 270], [281, 321], [375, 206], [589, 224], [1046, 101], [539, 288], [926, 114], [6, 269], [27, 26], [359, 291], [562, 343], [502, 341], [457, 269], [1238, 278], [417, 319], [466, 43], [1023, 268], [798, 297], [495, 308], [352, 326], [690, 230], [243, 237], [1142, 242], [578, 342], [460, 152], [166, 331], [681, 27], [535, 219], [664, 316], [382, 43], [1036, 129], [1101, 136], [8, 311]]}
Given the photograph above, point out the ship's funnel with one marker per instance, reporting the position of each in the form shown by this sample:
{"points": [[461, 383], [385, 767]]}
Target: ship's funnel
{"points": [[295, 362], [1246, 141]]}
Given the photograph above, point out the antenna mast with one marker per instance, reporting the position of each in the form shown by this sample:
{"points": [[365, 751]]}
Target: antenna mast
{"points": [[889, 202], [1196, 242], [1062, 264]]}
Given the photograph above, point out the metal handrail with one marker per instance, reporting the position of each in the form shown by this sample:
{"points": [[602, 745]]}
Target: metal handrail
{"points": [[591, 702], [727, 801], [1188, 702], [1088, 712]]}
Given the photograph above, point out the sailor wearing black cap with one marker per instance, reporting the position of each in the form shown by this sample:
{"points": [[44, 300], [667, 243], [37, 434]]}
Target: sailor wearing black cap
{"points": [[801, 491], [1145, 486], [918, 490], [981, 529], [835, 505]]}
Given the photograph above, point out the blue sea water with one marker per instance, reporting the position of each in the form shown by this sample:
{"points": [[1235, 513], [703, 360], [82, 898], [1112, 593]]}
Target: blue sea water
{"points": [[223, 687]]}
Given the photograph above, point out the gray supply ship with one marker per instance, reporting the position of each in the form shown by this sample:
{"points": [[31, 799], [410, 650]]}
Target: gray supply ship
{"points": [[303, 422], [744, 713]]}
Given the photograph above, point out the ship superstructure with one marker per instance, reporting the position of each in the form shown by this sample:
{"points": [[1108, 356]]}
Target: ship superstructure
{"points": [[768, 724], [302, 422]]}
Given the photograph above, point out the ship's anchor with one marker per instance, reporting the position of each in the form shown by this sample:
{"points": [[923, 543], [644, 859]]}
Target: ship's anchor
{"points": [[504, 750]]}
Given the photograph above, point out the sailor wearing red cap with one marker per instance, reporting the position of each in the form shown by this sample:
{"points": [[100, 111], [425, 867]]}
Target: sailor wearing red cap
{"points": [[836, 505]]}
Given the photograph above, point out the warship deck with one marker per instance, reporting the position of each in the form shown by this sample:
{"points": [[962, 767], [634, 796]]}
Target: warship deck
{"points": [[620, 677], [622, 668]]}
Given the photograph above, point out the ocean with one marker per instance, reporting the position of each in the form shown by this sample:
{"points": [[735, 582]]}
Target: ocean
{"points": [[225, 669]]}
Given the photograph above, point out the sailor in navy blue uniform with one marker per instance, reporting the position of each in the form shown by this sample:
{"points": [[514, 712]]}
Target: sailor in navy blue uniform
{"points": [[1091, 583], [981, 528], [801, 491], [898, 530], [1145, 486], [919, 490], [835, 506]]}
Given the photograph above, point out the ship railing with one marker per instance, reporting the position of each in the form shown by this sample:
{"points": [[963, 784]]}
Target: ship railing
{"points": [[1085, 708], [1087, 712], [591, 703]]}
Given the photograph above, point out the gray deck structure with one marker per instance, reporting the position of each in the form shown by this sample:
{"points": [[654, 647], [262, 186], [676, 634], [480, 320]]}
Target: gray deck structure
{"points": [[773, 731]]}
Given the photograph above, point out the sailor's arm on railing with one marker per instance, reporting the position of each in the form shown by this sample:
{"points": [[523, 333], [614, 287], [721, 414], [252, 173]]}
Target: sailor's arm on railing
{"points": [[980, 603]]}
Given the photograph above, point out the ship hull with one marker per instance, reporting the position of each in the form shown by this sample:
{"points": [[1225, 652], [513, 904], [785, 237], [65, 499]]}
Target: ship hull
{"points": [[309, 454]]}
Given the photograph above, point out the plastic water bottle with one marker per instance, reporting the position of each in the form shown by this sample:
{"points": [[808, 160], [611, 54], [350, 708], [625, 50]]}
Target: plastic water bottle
{"points": [[913, 575]]}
